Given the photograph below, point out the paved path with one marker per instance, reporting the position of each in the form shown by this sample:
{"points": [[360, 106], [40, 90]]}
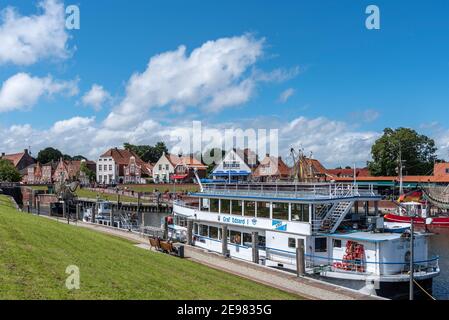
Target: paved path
{"points": [[305, 287]]}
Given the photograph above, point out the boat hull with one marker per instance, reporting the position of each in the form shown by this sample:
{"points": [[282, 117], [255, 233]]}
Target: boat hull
{"points": [[439, 222]]}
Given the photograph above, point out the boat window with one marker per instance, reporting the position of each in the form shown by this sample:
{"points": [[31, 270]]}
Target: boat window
{"points": [[262, 242], [204, 204], [236, 237], [291, 242], [263, 209], [204, 230], [213, 205], [337, 243], [300, 212], [236, 207], [320, 244], [225, 206], [250, 209], [195, 228], [280, 211], [247, 240], [213, 232]]}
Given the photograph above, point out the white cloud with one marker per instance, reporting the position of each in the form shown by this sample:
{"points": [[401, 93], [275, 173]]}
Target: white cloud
{"points": [[23, 91], [75, 124], [96, 97], [287, 94], [26, 39], [214, 76], [367, 116]]}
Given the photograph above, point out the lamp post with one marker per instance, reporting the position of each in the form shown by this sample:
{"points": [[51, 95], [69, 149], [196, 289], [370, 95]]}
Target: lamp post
{"points": [[411, 294]]}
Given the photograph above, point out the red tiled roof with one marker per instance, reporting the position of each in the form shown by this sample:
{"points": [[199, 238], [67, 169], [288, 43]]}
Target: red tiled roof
{"points": [[14, 158], [122, 156], [282, 168]]}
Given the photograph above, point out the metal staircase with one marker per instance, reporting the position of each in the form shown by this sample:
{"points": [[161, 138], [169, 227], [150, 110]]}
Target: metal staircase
{"points": [[334, 217]]}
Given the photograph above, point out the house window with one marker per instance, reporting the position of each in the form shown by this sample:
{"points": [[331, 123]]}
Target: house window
{"points": [[160, 167], [337, 243], [166, 167], [99, 168], [320, 244], [105, 167], [291, 242], [110, 167], [447, 170]]}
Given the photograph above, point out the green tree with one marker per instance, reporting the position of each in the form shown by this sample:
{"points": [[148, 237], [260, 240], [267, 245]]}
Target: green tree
{"points": [[147, 153], [49, 154], [418, 153], [79, 158], [87, 172], [8, 173]]}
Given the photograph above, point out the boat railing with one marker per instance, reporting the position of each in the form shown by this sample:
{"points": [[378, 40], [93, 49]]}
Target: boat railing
{"points": [[292, 190], [361, 266]]}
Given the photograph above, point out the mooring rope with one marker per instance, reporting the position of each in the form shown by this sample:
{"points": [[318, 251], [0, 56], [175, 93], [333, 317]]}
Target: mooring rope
{"points": [[424, 290]]}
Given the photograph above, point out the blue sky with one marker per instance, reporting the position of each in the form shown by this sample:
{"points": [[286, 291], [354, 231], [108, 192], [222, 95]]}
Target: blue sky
{"points": [[356, 80]]}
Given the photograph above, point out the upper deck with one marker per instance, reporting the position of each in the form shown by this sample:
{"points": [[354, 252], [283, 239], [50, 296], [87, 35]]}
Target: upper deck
{"points": [[283, 191]]}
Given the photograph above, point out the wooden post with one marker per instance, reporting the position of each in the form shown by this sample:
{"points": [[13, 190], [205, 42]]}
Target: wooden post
{"points": [[190, 232], [356, 207], [255, 242], [376, 208], [300, 261], [165, 228], [94, 208], [224, 240], [38, 206], [78, 210], [366, 208], [111, 217]]}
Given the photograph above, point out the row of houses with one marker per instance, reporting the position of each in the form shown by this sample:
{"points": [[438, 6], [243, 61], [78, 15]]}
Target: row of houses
{"points": [[121, 166]]}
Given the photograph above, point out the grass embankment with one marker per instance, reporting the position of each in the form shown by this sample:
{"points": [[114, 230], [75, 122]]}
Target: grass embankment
{"points": [[35, 252]]}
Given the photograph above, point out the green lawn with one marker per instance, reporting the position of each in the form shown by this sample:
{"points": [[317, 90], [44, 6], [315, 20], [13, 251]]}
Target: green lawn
{"points": [[35, 251], [83, 193], [163, 187]]}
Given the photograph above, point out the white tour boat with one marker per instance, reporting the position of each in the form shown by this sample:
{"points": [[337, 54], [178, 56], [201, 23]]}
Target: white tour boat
{"points": [[344, 244]]}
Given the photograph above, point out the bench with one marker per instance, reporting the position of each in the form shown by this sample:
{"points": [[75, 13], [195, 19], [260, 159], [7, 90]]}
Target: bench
{"points": [[168, 247]]}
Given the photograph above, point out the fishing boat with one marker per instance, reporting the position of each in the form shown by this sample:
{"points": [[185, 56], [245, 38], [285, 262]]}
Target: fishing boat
{"points": [[267, 223]]}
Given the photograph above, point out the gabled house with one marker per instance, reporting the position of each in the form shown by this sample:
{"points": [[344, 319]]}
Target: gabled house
{"points": [[121, 166], [164, 168], [70, 170], [233, 167], [185, 169], [19, 160], [272, 169]]}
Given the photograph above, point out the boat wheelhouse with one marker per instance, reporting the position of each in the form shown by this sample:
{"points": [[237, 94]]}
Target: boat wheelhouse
{"points": [[338, 224]]}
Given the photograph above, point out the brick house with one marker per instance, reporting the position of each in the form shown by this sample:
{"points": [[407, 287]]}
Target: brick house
{"points": [[272, 169], [121, 166], [70, 170], [20, 160], [185, 169]]}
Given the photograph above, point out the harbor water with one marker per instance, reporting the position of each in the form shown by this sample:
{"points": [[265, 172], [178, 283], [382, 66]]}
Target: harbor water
{"points": [[439, 246]]}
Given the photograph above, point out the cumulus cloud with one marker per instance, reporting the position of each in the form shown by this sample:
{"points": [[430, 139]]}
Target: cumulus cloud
{"points": [[287, 94], [22, 91], [26, 39], [214, 76], [96, 97]]}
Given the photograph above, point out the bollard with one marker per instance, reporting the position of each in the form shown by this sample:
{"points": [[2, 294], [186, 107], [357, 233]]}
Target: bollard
{"points": [[189, 232], [300, 261], [38, 207]]}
